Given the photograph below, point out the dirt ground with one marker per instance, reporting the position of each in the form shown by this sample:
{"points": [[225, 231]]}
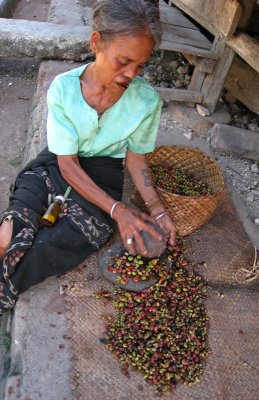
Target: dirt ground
{"points": [[17, 86], [33, 10]]}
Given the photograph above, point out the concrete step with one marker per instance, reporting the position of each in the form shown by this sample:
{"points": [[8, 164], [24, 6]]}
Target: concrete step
{"points": [[44, 40], [36, 137]]}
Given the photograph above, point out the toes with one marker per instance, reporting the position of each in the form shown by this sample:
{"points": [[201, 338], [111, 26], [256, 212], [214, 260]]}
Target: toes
{"points": [[3, 251], [6, 230]]}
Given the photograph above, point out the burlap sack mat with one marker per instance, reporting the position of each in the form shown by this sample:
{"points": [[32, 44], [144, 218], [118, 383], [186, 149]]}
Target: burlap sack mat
{"points": [[222, 248]]}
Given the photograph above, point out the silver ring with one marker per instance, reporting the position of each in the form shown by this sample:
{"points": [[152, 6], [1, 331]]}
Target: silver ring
{"points": [[129, 241]]}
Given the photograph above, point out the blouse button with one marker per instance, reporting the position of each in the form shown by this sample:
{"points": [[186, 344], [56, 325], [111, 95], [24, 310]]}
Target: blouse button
{"points": [[91, 153]]}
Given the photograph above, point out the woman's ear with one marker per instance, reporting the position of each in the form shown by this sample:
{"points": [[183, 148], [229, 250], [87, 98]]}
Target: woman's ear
{"points": [[95, 41]]}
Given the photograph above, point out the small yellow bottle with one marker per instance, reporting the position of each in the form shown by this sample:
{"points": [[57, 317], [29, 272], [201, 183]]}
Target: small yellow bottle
{"points": [[51, 215]]}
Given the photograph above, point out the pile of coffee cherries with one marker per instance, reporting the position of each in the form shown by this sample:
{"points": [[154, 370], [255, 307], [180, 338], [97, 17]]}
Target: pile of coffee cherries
{"points": [[178, 181], [137, 268], [163, 331]]}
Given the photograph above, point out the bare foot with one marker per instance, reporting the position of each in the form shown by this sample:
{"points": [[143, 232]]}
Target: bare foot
{"points": [[6, 230]]}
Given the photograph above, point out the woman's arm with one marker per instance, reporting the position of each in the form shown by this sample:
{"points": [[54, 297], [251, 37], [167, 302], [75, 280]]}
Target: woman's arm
{"points": [[140, 173], [78, 179], [130, 222]]}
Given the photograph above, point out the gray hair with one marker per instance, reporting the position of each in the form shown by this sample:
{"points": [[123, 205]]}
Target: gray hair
{"points": [[113, 18]]}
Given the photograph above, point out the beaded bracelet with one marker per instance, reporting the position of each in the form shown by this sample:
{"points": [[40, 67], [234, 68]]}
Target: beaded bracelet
{"points": [[161, 215], [113, 207]]}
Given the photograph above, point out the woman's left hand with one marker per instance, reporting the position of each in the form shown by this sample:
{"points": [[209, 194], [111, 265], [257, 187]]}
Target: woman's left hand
{"points": [[167, 224], [141, 175]]}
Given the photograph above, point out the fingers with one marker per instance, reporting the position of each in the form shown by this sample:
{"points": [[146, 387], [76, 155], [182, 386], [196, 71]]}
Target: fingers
{"points": [[143, 226], [140, 245], [129, 244], [134, 243], [130, 229], [152, 231], [171, 233], [167, 224], [171, 239]]}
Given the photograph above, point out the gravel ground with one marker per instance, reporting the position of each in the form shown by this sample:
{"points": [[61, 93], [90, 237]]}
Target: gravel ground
{"points": [[175, 72]]}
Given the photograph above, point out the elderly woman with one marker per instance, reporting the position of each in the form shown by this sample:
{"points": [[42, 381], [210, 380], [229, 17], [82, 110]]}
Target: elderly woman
{"points": [[99, 114]]}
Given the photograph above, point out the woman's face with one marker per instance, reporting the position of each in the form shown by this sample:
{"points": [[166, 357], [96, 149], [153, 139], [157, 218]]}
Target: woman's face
{"points": [[120, 60]]}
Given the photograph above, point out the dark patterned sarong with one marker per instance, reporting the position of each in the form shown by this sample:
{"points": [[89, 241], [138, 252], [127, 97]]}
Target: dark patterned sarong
{"points": [[36, 251]]}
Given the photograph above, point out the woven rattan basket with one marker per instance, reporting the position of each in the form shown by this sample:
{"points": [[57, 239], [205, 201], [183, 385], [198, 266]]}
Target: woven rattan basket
{"points": [[188, 213]]}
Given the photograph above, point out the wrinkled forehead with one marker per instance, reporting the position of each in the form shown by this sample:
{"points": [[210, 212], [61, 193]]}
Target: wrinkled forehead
{"points": [[138, 46]]}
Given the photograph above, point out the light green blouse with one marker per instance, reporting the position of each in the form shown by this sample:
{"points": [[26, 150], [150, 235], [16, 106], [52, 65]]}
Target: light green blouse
{"points": [[73, 126]]}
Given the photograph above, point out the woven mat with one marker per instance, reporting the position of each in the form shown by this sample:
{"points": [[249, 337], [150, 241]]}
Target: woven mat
{"points": [[232, 368]]}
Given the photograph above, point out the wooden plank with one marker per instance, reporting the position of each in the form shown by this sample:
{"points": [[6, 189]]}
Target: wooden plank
{"points": [[184, 41], [182, 48], [214, 83], [247, 48], [247, 10], [169, 94], [164, 3], [180, 34], [217, 16], [172, 15], [190, 36], [206, 65], [243, 83]]}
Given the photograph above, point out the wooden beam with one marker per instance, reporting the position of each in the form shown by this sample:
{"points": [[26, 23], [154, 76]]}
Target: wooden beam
{"points": [[246, 47], [190, 58], [214, 83], [203, 64], [217, 16], [197, 80], [196, 83], [183, 48], [243, 83], [169, 94]]}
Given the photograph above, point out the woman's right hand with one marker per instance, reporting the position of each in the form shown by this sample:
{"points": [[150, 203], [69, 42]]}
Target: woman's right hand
{"points": [[131, 223]]}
